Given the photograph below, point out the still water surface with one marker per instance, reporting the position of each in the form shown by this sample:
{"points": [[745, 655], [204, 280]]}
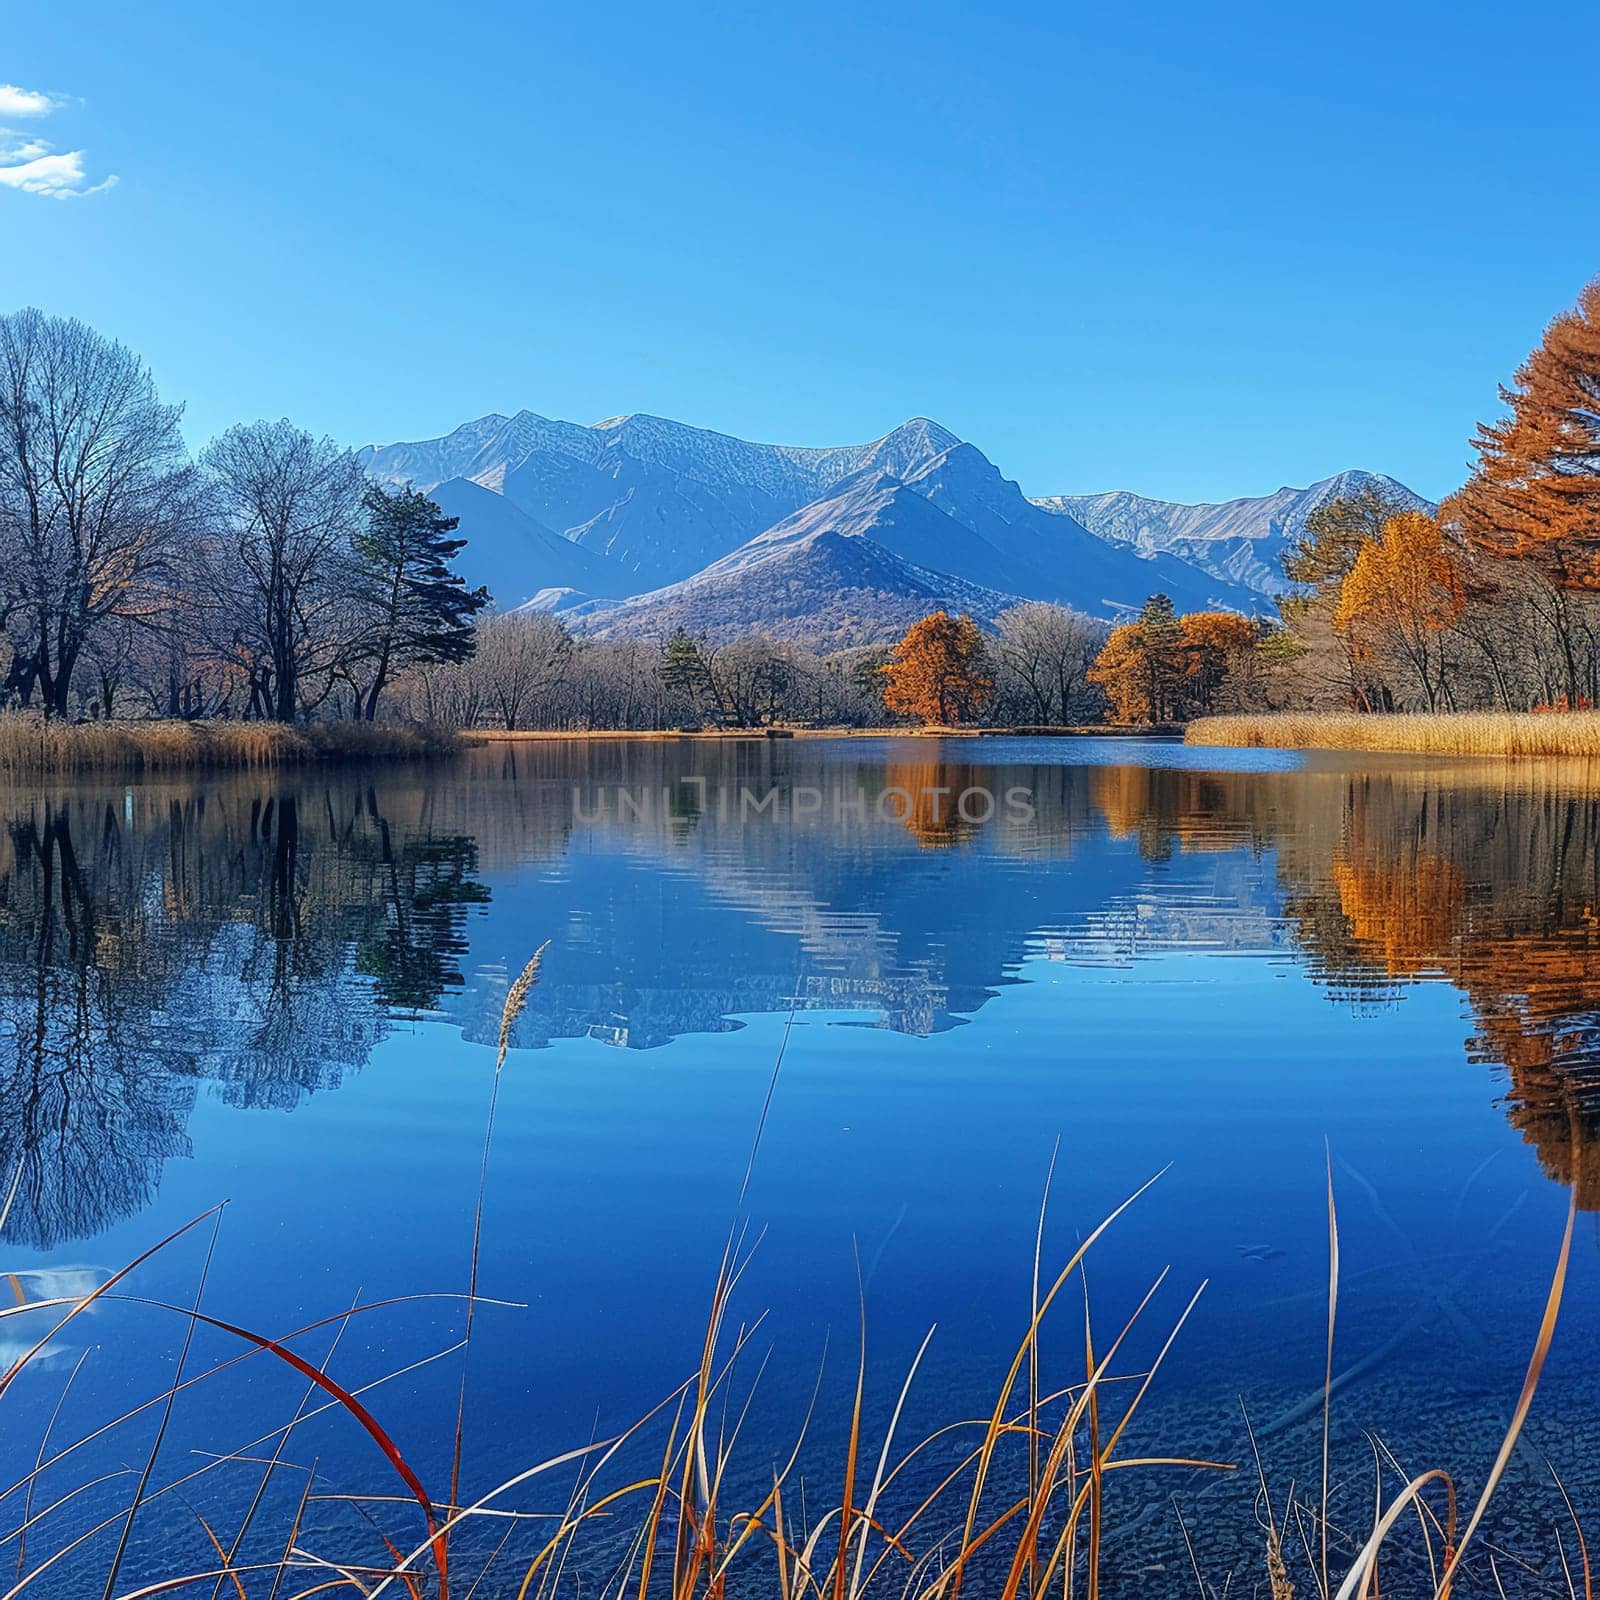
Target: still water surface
{"points": [[975, 958]]}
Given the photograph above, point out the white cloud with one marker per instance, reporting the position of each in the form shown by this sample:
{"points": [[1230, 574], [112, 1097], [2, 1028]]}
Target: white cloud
{"points": [[33, 165], [16, 101], [59, 175]]}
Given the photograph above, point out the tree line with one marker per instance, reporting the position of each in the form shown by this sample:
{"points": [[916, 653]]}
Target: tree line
{"points": [[269, 578], [266, 578], [1492, 601], [529, 672]]}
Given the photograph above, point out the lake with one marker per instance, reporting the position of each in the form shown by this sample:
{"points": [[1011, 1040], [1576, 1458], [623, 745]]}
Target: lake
{"points": [[920, 980]]}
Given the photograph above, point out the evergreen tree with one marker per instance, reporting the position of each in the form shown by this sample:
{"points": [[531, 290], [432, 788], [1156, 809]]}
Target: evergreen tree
{"points": [[424, 611], [683, 671]]}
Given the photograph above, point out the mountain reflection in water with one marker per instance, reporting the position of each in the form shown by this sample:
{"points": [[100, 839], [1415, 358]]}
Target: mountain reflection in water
{"points": [[256, 936]]}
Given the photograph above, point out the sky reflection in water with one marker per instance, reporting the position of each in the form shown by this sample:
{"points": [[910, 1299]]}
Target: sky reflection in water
{"points": [[287, 994]]}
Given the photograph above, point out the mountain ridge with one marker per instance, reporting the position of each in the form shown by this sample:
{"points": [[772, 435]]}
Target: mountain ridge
{"points": [[606, 522], [1241, 539]]}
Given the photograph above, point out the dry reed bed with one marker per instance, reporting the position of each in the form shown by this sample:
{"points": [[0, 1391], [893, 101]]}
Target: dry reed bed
{"points": [[32, 745], [1454, 733]]}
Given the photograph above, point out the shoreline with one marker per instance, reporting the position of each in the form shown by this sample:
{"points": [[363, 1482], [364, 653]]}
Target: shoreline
{"points": [[473, 737]]}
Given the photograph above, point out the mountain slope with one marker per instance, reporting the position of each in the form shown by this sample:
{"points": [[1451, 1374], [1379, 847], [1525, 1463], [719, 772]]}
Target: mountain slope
{"points": [[1047, 554], [836, 573], [1237, 541], [860, 564], [513, 555]]}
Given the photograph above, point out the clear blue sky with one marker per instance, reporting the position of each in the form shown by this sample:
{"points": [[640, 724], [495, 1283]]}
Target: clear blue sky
{"points": [[1200, 252]]}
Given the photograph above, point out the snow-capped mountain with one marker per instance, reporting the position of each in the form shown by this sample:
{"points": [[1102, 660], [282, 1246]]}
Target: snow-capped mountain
{"points": [[655, 500], [1050, 555], [561, 516], [1239, 541]]}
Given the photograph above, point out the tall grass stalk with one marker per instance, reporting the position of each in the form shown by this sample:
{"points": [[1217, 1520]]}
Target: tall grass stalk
{"points": [[1453, 733]]}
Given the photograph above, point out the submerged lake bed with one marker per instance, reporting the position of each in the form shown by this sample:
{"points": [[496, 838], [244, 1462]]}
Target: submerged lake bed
{"points": [[861, 1002]]}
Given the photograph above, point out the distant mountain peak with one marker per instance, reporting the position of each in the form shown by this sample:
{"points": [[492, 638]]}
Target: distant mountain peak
{"points": [[926, 431], [1239, 540]]}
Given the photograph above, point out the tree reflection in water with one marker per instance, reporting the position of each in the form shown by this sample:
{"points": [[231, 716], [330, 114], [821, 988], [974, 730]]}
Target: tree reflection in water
{"points": [[153, 941], [250, 937], [1486, 877]]}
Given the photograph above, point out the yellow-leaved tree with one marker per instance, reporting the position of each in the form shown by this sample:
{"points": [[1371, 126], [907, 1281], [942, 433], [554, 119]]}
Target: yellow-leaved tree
{"points": [[1166, 668], [1218, 651], [1402, 597]]}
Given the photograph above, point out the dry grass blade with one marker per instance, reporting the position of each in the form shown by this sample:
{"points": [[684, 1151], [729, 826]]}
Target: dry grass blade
{"points": [[229, 1571], [76, 1307], [992, 1434], [1577, 1532], [1327, 1371], [353, 1407], [166, 1414], [1541, 1350], [38, 1460], [869, 1510], [294, 1531], [201, 1377], [278, 1449], [1358, 1579], [852, 1451]]}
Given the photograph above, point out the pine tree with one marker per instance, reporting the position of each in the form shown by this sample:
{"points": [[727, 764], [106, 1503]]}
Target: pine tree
{"points": [[423, 610], [1143, 665], [683, 671]]}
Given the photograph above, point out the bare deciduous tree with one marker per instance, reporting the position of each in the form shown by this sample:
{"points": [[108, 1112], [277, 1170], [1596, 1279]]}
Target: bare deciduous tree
{"points": [[279, 569], [521, 658], [96, 497], [1045, 653]]}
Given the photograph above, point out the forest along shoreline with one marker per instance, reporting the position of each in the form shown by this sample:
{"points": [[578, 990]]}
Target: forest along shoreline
{"points": [[268, 604]]}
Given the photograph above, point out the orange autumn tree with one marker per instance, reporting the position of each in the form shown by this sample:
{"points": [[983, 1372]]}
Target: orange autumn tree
{"points": [[1141, 667], [937, 673], [1535, 494], [1216, 646], [1164, 668], [1122, 670], [1402, 596]]}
